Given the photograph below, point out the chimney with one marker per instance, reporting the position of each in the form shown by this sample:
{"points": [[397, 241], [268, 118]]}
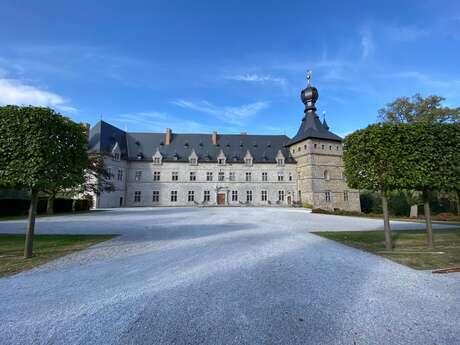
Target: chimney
{"points": [[214, 138], [168, 136]]}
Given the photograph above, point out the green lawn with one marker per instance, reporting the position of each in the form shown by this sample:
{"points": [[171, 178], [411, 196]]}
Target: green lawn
{"points": [[409, 246], [46, 248]]}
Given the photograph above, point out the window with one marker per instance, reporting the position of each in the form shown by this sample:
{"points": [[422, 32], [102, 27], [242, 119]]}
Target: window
{"points": [[174, 176], [191, 195], [345, 196], [264, 176], [156, 160], [248, 176], [326, 175], [249, 196], [207, 196], [281, 195], [264, 195], [234, 195], [305, 147], [109, 173], [156, 196], [322, 147], [231, 176], [221, 161], [138, 175], [290, 176], [193, 161], [116, 156], [248, 161], [298, 149], [120, 175], [315, 145], [327, 196], [209, 176], [173, 195], [280, 177], [192, 176], [337, 148], [137, 196], [280, 161], [221, 176], [156, 176]]}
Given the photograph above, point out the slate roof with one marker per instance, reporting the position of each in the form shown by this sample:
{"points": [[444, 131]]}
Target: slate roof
{"points": [[142, 146], [311, 127]]}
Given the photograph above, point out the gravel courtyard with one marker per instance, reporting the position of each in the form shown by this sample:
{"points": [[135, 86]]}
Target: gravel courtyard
{"points": [[223, 276]]}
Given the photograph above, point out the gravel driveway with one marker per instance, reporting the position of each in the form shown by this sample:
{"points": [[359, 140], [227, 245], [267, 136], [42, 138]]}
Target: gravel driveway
{"points": [[223, 276]]}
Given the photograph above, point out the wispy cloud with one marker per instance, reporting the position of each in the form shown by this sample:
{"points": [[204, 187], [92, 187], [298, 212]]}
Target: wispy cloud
{"points": [[17, 93], [405, 33], [233, 115], [257, 78], [158, 121], [367, 43]]}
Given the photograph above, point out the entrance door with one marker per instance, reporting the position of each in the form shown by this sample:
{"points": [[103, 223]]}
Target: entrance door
{"points": [[121, 201], [220, 198]]}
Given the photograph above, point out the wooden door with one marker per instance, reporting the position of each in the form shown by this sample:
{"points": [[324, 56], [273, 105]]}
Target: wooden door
{"points": [[220, 198]]}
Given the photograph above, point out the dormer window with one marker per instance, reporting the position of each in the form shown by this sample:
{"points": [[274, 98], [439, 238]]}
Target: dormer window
{"points": [[193, 158], [116, 152], [157, 158], [280, 159], [248, 159], [221, 159]]}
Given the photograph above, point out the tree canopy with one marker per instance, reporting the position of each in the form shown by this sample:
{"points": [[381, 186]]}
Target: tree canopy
{"points": [[40, 150], [418, 109]]}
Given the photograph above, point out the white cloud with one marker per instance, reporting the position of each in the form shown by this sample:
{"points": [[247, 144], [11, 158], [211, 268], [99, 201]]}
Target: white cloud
{"points": [[255, 78], [405, 33], [367, 43], [233, 115], [158, 121], [17, 93]]}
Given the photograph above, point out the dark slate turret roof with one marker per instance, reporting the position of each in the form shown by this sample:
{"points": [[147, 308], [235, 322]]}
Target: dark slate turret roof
{"points": [[311, 126], [142, 146]]}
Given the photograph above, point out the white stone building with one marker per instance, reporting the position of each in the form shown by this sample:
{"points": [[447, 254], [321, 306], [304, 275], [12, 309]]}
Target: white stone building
{"points": [[171, 169]]}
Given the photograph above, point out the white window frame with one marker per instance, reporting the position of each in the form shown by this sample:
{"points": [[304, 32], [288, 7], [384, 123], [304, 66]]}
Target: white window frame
{"points": [[156, 176], [264, 195], [264, 176], [138, 175], [137, 196], [173, 196], [191, 196], [156, 196]]}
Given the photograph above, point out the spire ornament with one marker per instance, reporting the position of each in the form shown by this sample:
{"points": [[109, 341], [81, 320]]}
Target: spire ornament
{"points": [[309, 95]]}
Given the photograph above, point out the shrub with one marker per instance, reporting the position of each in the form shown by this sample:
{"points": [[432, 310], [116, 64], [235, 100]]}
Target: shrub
{"points": [[307, 205]]}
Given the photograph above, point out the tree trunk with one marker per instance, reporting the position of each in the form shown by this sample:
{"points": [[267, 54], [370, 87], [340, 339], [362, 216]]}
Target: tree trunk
{"points": [[386, 221], [28, 249], [74, 205], [458, 201], [429, 225], [50, 204]]}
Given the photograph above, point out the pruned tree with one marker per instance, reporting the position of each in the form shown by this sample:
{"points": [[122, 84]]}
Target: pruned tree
{"points": [[417, 109], [372, 161], [40, 150], [433, 153], [97, 179]]}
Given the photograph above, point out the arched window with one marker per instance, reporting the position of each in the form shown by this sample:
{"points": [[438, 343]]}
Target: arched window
{"points": [[326, 175]]}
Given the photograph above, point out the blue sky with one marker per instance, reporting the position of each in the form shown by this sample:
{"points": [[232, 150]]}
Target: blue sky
{"points": [[232, 66]]}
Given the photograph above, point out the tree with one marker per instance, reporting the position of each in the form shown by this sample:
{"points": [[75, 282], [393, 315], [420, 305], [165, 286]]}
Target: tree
{"points": [[433, 153], [40, 150], [417, 109], [372, 161], [96, 180]]}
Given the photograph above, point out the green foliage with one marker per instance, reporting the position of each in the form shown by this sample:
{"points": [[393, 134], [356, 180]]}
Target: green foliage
{"points": [[40, 149], [418, 156], [418, 109], [307, 205]]}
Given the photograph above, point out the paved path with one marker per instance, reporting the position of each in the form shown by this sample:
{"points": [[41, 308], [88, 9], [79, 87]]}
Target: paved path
{"points": [[223, 276]]}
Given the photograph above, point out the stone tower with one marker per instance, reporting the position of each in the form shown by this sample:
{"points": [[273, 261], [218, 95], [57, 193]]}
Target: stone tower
{"points": [[318, 152]]}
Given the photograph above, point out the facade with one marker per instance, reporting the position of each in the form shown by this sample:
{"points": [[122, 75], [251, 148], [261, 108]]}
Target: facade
{"points": [[171, 169]]}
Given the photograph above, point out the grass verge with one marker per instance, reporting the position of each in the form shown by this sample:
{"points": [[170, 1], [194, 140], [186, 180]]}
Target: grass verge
{"points": [[46, 248], [409, 246]]}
